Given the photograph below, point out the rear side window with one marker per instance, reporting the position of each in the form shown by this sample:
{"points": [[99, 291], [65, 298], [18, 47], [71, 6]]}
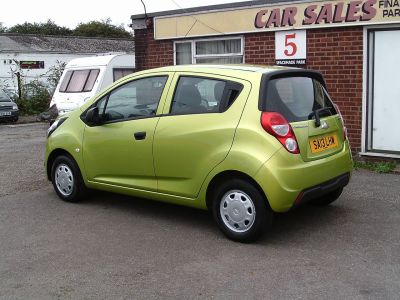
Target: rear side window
{"points": [[194, 95], [79, 81], [297, 97]]}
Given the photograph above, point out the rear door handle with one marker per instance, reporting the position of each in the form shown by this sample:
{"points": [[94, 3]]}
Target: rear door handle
{"points": [[140, 135]]}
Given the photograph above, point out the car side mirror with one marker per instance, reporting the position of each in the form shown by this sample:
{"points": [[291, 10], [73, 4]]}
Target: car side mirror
{"points": [[92, 116]]}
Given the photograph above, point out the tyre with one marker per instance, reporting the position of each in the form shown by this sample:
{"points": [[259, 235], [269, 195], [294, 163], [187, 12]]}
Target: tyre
{"points": [[328, 198], [240, 210], [67, 179], [15, 119]]}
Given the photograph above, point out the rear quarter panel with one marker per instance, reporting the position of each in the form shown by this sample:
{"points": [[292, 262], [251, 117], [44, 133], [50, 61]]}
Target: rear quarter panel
{"points": [[252, 146]]}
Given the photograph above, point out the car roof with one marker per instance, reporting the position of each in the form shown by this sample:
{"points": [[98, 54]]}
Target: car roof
{"points": [[243, 71], [216, 68]]}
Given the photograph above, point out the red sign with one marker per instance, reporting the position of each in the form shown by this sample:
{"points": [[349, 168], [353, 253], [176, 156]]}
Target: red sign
{"points": [[31, 64]]}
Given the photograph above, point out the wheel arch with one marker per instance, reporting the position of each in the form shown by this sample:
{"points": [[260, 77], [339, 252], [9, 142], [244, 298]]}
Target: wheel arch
{"points": [[53, 155], [228, 175]]}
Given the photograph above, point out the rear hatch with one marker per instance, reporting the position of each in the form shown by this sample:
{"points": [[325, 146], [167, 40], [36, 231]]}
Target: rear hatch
{"points": [[300, 96]]}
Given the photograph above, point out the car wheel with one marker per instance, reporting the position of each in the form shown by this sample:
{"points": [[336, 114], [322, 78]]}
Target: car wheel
{"points": [[241, 210], [15, 119], [67, 179], [328, 198]]}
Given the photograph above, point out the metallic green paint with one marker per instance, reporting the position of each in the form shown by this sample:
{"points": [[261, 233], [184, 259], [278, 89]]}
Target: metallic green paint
{"points": [[183, 153]]}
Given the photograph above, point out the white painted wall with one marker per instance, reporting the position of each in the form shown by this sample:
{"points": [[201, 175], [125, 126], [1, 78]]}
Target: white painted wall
{"points": [[7, 69]]}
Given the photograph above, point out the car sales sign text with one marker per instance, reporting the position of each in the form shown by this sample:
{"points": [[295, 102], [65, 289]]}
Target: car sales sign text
{"points": [[276, 17], [339, 12]]}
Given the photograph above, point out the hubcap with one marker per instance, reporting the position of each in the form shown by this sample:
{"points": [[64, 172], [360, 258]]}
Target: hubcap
{"points": [[64, 179], [237, 211]]}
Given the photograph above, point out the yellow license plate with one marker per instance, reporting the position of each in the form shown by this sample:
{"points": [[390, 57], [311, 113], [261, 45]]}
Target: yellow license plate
{"points": [[323, 143]]}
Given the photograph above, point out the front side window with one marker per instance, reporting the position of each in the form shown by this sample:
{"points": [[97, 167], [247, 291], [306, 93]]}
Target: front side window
{"points": [[195, 95], [79, 81], [297, 97], [136, 99], [214, 51]]}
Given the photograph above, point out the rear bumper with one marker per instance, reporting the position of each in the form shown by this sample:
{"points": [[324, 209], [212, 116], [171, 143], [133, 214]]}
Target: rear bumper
{"points": [[286, 176], [322, 189]]}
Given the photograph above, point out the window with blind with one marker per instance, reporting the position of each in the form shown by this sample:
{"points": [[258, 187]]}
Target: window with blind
{"points": [[118, 73], [211, 51], [79, 81]]}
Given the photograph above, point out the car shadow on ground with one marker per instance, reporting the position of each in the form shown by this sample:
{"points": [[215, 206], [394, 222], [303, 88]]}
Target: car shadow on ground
{"points": [[165, 212], [306, 218], [286, 226]]}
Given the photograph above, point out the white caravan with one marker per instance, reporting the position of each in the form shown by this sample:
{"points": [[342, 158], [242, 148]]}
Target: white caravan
{"points": [[85, 77]]}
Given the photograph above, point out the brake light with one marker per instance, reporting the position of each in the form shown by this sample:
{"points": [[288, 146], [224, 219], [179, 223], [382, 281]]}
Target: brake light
{"points": [[276, 125], [342, 120]]}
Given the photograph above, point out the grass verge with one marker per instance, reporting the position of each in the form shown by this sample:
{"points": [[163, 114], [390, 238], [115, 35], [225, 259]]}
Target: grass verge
{"points": [[379, 167]]}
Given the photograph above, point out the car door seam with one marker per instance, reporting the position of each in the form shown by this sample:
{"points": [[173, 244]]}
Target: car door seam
{"points": [[155, 129], [233, 140]]}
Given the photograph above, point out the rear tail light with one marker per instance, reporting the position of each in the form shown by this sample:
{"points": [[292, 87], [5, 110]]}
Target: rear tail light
{"points": [[276, 125], [342, 120]]}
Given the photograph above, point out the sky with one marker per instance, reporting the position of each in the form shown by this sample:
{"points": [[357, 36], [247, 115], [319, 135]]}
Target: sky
{"points": [[72, 12]]}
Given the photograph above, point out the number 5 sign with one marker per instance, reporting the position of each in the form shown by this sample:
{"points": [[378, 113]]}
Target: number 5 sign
{"points": [[291, 47]]}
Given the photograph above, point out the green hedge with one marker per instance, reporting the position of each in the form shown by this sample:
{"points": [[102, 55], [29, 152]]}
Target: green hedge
{"points": [[35, 99]]}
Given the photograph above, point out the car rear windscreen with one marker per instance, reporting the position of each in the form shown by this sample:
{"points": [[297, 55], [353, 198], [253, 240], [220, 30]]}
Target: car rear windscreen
{"points": [[296, 98]]}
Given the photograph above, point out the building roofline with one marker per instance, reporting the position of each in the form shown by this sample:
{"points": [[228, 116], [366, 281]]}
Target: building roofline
{"points": [[64, 36], [60, 52], [209, 8]]}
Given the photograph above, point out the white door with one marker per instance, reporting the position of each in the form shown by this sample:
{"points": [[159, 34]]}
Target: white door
{"points": [[385, 111]]}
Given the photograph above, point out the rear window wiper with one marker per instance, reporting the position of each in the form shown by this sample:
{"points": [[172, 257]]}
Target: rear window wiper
{"points": [[317, 116]]}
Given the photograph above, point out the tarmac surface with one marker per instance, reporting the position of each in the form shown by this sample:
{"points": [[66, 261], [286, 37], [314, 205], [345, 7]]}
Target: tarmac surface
{"points": [[117, 247]]}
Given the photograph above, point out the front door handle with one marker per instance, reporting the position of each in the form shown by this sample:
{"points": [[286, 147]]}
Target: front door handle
{"points": [[140, 135]]}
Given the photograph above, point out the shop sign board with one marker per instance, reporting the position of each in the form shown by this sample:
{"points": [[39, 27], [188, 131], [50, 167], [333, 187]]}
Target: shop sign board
{"points": [[291, 47], [287, 16], [31, 64]]}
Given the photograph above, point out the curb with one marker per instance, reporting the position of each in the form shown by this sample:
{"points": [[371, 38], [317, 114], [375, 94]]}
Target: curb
{"points": [[396, 171]]}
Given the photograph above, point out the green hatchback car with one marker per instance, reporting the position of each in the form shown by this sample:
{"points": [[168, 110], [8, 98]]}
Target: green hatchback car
{"points": [[242, 141]]}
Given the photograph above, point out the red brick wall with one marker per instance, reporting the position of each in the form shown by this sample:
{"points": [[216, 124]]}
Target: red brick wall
{"points": [[150, 53], [338, 54]]}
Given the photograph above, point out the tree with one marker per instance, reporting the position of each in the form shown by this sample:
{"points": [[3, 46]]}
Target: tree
{"points": [[102, 28], [47, 28], [54, 73]]}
